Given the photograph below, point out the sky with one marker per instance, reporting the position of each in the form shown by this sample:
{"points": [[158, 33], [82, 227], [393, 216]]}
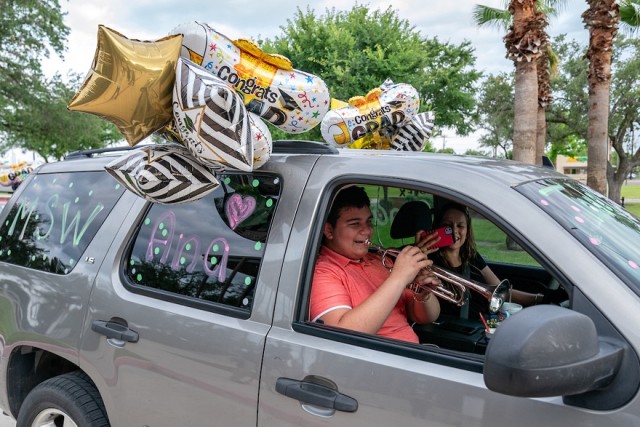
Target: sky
{"points": [[449, 21]]}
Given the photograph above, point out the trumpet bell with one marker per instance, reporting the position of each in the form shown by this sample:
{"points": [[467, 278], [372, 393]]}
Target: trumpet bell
{"points": [[499, 296]]}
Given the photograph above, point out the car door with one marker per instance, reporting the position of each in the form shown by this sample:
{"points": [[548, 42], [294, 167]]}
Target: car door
{"points": [[315, 375], [177, 320]]}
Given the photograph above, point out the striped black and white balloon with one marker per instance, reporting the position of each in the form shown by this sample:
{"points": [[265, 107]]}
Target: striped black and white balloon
{"points": [[414, 135], [211, 118], [166, 174]]}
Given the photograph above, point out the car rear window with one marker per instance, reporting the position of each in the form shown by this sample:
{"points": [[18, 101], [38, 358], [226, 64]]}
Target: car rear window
{"points": [[607, 230], [55, 218], [206, 253]]}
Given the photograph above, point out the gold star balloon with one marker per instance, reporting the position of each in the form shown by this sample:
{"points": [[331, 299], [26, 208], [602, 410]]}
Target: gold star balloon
{"points": [[130, 83]]}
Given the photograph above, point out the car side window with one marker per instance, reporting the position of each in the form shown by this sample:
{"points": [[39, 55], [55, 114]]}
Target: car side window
{"points": [[398, 213], [55, 218], [207, 251], [496, 246]]}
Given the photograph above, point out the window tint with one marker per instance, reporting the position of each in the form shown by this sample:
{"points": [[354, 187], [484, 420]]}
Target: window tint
{"points": [[495, 246], [602, 226], [57, 215], [208, 250], [492, 243], [484, 259], [385, 203]]}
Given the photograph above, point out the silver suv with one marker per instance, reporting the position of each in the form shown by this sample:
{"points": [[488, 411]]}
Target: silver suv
{"points": [[117, 311]]}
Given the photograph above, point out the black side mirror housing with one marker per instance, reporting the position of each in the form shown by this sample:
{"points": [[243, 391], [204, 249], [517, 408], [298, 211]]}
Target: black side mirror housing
{"points": [[547, 351]]}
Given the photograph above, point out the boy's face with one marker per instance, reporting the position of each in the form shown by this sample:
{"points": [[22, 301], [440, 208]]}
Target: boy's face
{"points": [[353, 228]]}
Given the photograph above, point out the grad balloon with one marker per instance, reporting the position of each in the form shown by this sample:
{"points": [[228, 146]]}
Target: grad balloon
{"points": [[292, 100], [165, 173], [130, 83], [367, 115], [13, 175], [211, 119]]}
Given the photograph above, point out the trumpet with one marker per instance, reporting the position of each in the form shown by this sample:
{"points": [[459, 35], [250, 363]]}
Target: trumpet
{"points": [[495, 297]]}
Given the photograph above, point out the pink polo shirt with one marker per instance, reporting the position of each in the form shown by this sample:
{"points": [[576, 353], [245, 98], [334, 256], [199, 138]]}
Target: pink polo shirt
{"points": [[339, 282]]}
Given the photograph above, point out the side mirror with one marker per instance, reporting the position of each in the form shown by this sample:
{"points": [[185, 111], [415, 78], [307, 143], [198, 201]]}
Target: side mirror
{"points": [[546, 351]]}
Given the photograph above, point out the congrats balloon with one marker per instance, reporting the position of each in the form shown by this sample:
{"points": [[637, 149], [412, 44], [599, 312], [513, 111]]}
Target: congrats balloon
{"points": [[292, 100], [365, 116]]}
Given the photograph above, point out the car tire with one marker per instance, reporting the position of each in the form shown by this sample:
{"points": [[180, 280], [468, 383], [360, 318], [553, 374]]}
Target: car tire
{"points": [[69, 399]]}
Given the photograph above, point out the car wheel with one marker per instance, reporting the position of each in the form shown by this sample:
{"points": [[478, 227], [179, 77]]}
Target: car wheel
{"points": [[69, 400]]}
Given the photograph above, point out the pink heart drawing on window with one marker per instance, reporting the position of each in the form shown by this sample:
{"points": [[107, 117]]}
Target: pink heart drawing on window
{"points": [[238, 209]]}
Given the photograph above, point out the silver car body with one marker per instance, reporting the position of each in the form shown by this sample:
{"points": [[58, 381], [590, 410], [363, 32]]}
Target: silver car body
{"points": [[196, 367]]}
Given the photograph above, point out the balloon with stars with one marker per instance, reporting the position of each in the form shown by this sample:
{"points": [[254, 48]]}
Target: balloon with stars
{"points": [[292, 100]]}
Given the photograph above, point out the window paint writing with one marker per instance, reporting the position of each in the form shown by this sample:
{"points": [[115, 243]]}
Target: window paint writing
{"points": [[163, 241], [56, 213]]}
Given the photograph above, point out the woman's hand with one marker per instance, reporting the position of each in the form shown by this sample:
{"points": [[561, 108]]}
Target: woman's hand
{"points": [[426, 241]]}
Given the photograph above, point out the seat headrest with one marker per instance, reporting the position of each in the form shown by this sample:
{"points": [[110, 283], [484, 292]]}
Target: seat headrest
{"points": [[411, 217]]}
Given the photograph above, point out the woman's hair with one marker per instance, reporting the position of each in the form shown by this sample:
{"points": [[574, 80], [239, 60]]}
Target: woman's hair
{"points": [[468, 250], [347, 197]]}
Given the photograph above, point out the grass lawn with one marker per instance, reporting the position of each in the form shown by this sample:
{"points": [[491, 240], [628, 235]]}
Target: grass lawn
{"points": [[631, 191], [633, 208], [491, 243]]}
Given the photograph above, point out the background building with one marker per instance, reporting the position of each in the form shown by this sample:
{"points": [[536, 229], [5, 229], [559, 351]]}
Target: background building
{"points": [[575, 167]]}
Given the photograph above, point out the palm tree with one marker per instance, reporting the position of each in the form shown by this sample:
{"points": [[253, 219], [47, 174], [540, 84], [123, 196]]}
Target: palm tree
{"points": [[523, 42], [547, 67], [544, 64], [602, 20]]}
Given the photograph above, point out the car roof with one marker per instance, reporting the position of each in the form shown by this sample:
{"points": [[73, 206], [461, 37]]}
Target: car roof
{"points": [[501, 170]]}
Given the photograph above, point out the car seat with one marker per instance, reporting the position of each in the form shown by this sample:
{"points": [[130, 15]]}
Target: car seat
{"points": [[411, 217]]}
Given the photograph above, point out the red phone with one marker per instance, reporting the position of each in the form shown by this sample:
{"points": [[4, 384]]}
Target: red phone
{"points": [[446, 237]]}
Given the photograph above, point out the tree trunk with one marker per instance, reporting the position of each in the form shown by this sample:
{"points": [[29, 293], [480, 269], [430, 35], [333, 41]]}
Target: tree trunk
{"points": [[597, 136], [601, 19], [615, 191], [615, 179], [541, 137], [526, 113], [544, 70], [524, 41]]}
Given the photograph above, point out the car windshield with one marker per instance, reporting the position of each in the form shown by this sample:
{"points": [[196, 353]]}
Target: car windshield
{"points": [[602, 226]]}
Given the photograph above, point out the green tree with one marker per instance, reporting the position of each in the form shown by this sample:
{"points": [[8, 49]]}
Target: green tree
{"points": [[44, 125], [28, 28], [357, 50], [472, 152], [568, 116], [496, 113]]}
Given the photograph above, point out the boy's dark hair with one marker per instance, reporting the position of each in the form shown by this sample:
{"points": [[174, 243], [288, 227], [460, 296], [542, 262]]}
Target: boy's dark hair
{"points": [[348, 197]]}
